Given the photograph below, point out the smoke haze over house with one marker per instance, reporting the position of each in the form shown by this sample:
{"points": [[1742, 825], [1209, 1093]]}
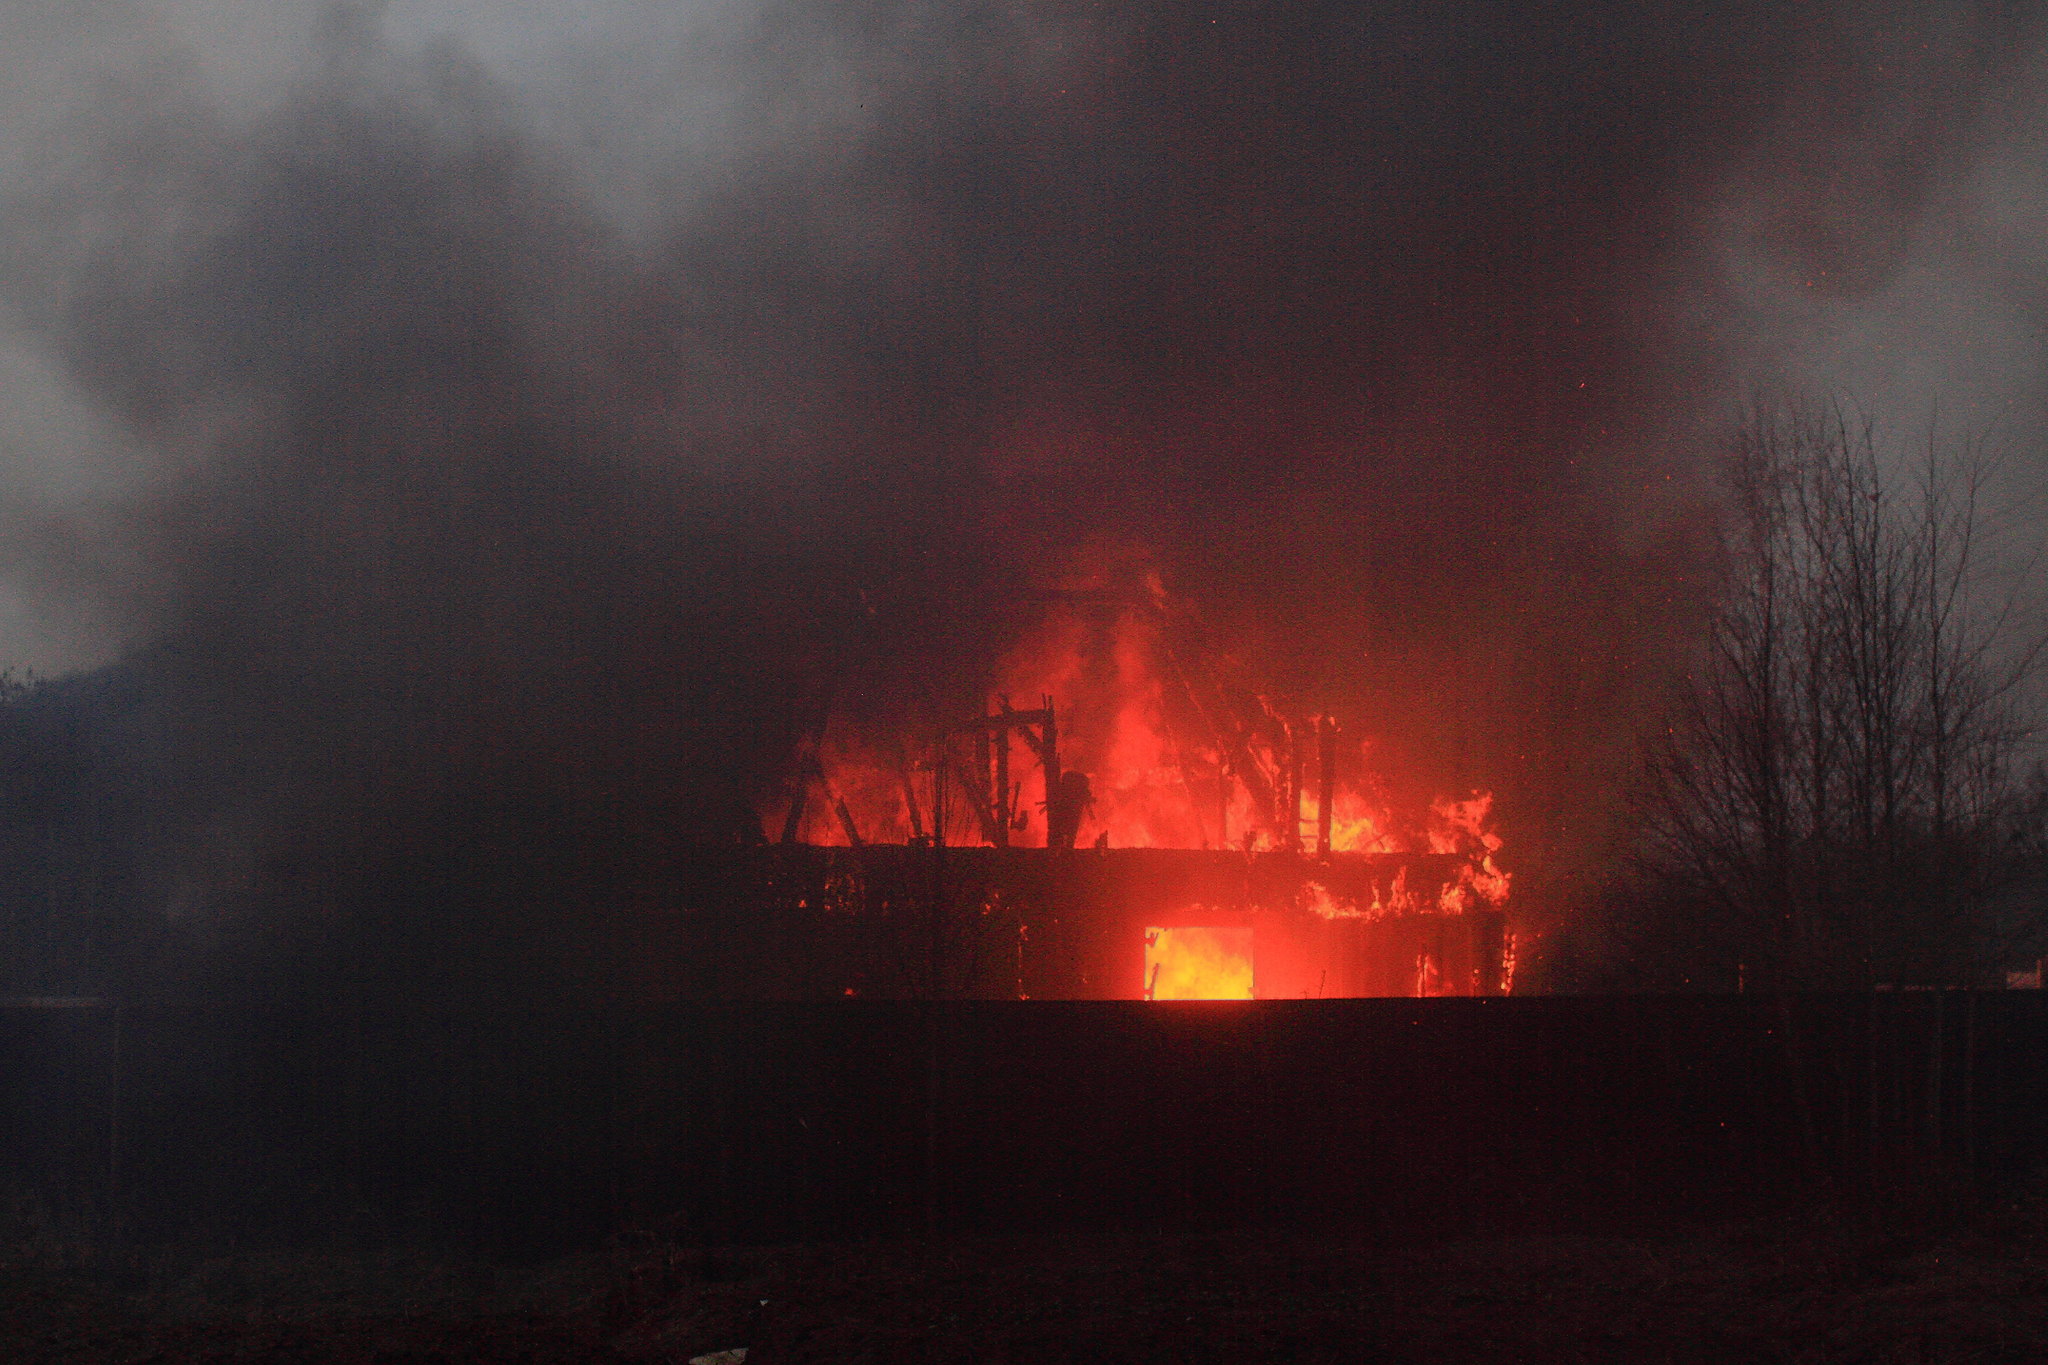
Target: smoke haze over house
{"points": [[555, 397]]}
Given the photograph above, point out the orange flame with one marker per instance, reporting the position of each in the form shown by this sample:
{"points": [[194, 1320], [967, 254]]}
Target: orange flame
{"points": [[1198, 964], [1178, 752], [1460, 827]]}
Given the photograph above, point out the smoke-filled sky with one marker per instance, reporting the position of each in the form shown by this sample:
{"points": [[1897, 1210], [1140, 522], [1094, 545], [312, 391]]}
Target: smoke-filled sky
{"points": [[628, 367]]}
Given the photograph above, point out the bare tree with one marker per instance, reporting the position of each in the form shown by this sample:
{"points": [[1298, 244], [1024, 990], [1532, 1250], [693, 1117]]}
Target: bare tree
{"points": [[1835, 795]]}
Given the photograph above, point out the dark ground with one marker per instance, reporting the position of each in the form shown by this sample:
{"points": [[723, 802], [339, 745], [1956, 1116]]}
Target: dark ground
{"points": [[1917, 1281]]}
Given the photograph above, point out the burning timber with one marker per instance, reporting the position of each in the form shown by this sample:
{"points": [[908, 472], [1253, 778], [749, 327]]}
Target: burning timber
{"points": [[1157, 827], [801, 921]]}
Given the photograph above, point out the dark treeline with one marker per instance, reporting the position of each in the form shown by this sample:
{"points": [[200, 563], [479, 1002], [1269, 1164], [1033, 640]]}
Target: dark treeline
{"points": [[84, 907], [489, 544], [135, 866], [1847, 793], [494, 554]]}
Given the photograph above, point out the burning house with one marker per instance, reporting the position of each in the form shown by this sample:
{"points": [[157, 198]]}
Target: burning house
{"points": [[1150, 827]]}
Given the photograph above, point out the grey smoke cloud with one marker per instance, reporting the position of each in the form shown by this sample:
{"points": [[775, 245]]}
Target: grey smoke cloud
{"points": [[608, 374], [1883, 249]]}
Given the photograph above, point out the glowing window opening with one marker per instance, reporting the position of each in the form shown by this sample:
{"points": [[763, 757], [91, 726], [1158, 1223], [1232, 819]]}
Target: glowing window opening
{"points": [[1198, 963]]}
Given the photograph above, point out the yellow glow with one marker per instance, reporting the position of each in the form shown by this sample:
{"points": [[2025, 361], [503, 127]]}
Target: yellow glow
{"points": [[1198, 964]]}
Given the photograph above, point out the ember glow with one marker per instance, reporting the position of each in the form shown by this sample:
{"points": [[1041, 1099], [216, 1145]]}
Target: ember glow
{"points": [[1123, 724], [1173, 745], [1196, 963]]}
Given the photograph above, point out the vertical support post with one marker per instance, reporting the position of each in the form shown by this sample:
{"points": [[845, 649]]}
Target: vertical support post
{"points": [[809, 770], [1326, 781], [983, 781], [1293, 799], [1223, 801], [793, 822], [1489, 950], [1052, 766], [1002, 802], [910, 805], [846, 821]]}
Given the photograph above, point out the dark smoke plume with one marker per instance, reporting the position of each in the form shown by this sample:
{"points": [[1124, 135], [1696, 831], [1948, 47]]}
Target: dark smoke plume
{"points": [[479, 506]]}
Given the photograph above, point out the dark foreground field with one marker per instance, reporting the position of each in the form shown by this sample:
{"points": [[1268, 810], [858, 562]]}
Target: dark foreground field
{"points": [[1440, 1164], [1908, 1284]]}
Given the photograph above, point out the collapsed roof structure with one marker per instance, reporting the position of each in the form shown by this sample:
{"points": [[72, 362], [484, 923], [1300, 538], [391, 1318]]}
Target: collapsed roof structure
{"points": [[1164, 830]]}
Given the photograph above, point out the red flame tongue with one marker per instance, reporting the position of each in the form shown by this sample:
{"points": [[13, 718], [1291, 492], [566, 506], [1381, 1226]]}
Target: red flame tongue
{"points": [[1173, 749]]}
